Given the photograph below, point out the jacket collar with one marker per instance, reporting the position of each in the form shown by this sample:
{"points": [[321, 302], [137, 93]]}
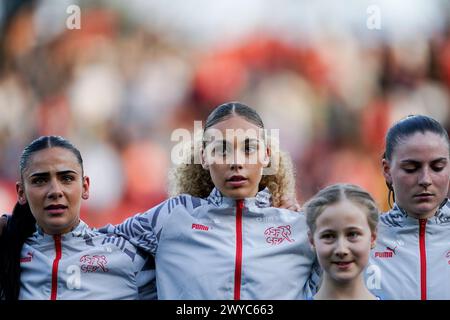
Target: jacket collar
{"points": [[399, 216], [78, 231], [263, 199]]}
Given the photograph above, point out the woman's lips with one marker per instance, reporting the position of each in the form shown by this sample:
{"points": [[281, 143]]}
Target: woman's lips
{"points": [[343, 265], [55, 209], [424, 196], [236, 181]]}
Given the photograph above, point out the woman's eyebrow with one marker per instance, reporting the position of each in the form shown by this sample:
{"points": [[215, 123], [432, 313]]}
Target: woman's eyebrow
{"points": [[39, 174], [66, 172], [46, 174], [410, 161], [416, 162], [443, 159]]}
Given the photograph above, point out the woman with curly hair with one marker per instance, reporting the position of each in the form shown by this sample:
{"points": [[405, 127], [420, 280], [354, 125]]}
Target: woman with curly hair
{"points": [[221, 237]]}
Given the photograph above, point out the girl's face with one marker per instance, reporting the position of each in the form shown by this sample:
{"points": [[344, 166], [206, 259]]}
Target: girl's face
{"points": [[53, 186], [419, 173], [342, 241], [235, 154]]}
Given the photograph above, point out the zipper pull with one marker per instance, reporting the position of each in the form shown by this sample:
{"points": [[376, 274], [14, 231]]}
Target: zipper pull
{"points": [[423, 223], [240, 204]]}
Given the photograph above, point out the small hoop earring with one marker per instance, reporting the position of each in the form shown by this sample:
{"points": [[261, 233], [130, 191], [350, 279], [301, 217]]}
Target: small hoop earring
{"points": [[391, 192]]}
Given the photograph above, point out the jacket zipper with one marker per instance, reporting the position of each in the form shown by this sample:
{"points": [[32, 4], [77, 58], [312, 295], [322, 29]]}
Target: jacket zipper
{"points": [[57, 239], [238, 262], [423, 260]]}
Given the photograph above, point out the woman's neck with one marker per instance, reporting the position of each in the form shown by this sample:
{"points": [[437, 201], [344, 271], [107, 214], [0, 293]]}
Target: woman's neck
{"points": [[418, 216], [426, 215], [349, 290], [61, 231]]}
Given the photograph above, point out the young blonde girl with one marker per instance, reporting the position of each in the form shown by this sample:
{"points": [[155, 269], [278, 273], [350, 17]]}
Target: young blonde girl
{"points": [[342, 221]]}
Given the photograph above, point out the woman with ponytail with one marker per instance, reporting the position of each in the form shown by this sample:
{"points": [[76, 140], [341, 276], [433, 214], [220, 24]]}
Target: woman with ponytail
{"points": [[47, 252], [412, 257]]}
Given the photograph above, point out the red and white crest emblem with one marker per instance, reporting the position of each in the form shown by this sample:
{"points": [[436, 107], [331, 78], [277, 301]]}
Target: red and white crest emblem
{"points": [[276, 235], [93, 263]]}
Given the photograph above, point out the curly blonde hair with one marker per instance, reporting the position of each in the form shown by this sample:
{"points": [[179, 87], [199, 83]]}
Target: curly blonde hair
{"points": [[193, 179]]}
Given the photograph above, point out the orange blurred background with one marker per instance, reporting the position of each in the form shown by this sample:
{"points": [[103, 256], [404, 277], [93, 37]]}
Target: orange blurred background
{"points": [[137, 70]]}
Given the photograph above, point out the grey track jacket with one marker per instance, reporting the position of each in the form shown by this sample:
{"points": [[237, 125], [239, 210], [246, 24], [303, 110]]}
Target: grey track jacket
{"points": [[412, 257], [220, 248], [84, 264]]}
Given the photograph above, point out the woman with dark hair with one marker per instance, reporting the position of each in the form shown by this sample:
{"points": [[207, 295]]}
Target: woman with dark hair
{"points": [[412, 256], [47, 252]]}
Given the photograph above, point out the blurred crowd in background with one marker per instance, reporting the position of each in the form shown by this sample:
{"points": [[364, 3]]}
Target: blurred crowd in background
{"points": [[136, 70]]}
